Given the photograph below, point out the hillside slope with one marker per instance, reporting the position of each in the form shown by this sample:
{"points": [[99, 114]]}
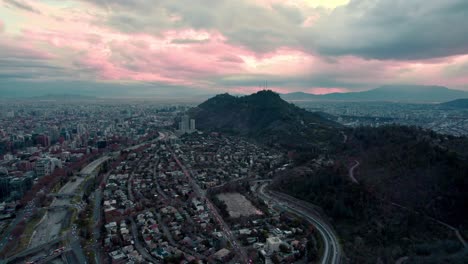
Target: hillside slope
{"points": [[408, 179], [263, 116], [459, 103]]}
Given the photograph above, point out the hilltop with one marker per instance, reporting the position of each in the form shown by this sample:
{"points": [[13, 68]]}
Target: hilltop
{"points": [[263, 116], [399, 93]]}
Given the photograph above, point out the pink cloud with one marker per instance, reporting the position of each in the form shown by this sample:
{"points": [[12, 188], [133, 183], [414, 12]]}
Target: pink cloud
{"points": [[145, 57], [204, 55], [81, 42]]}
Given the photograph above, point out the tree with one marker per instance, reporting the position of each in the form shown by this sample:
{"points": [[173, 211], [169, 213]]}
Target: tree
{"points": [[285, 248], [275, 258], [19, 229]]}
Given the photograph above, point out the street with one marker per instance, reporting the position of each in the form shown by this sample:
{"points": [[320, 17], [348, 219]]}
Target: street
{"points": [[332, 250], [225, 228]]}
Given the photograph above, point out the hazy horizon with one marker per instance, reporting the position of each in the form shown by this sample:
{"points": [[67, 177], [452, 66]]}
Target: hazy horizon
{"points": [[142, 48]]}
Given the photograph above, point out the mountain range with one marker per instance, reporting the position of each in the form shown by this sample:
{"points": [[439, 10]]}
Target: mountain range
{"points": [[400, 93], [64, 97]]}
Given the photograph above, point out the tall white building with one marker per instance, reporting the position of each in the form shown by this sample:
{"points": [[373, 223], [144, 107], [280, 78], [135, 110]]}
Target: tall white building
{"points": [[273, 244], [192, 125], [186, 125]]}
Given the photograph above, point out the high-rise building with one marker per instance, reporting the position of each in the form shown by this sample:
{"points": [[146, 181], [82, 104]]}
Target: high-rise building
{"points": [[4, 187], [272, 244], [42, 167], [43, 140], [192, 125], [186, 125]]}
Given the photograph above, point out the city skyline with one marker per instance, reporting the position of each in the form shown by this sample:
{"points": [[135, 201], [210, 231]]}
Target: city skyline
{"points": [[142, 47]]}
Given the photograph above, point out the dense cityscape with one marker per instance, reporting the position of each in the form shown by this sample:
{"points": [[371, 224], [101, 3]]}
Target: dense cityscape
{"points": [[233, 132], [100, 182], [107, 182], [445, 120]]}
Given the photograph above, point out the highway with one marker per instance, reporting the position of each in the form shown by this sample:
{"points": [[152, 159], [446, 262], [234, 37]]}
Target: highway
{"points": [[91, 167], [29, 252], [162, 136], [332, 250], [51, 224]]}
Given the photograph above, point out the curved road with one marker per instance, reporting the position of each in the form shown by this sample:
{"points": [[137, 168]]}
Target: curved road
{"points": [[332, 250], [351, 172]]}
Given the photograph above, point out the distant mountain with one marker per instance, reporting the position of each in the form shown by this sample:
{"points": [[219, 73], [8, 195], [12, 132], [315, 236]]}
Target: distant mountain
{"points": [[263, 115], [12, 89], [299, 96], [459, 103], [401, 93], [64, 97]]}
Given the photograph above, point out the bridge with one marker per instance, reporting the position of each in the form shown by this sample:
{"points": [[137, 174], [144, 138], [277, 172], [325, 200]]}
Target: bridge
{"points": [[53, 255], [57, 207], [61, 195], [22, 255]]}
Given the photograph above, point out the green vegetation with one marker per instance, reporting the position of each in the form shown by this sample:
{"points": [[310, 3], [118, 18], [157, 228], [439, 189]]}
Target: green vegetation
{"points": [[408, 178], [27, 229], [266, 117]]}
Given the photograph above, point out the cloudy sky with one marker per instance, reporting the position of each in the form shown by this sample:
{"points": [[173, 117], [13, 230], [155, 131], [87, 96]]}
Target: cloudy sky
{"points": [[317, 46]]}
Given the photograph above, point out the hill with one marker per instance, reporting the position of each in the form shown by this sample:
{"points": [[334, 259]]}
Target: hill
{"points": [[409, 179], [263, 116], [400, 93], [459, 103], [411, 193]]}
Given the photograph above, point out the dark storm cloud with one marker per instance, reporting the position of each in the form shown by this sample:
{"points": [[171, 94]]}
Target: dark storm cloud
{"points": [[242, 22], [401, 29], [381, 29]]}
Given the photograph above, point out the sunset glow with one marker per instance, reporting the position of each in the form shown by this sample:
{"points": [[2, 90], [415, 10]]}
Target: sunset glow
{"points": [[313, 46]]}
